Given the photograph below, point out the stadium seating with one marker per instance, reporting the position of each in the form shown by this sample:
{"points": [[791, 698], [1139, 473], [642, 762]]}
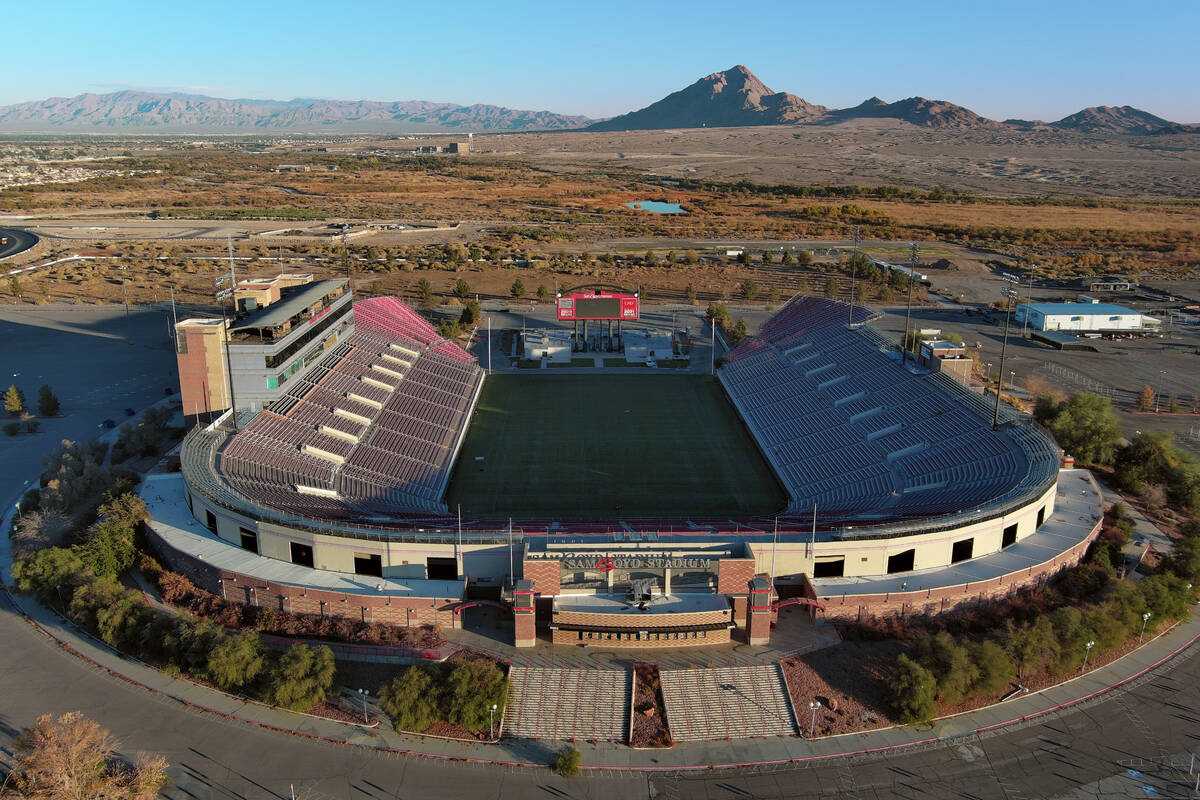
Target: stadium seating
{"points": [[372, 428], [850, 428]]}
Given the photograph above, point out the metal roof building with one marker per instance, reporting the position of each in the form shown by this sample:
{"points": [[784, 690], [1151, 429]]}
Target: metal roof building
{"points": [[1082, 317]]}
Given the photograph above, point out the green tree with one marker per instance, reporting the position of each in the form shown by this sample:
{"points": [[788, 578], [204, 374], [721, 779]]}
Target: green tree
{"points": [[766, 257], [804, 258], [749, 289], [691, 258], [994, 667], [718, 314], [462, 289], [47, 403], [566, 762], [14, 401], [302, 678], [517, 289], [425, 291], [471, 312], [690, 293], [1084, 426], [787, 257], [51, 574], [860, 293], [411, 700], [831, 287], [742, 257], [774, 295], [108, 548], [739, 332], [950, 664], [649, 260], [236, 661], [1032, 647], [911, 691], [542, 292], [1184, 560], [1167, 596], [472, 688]]}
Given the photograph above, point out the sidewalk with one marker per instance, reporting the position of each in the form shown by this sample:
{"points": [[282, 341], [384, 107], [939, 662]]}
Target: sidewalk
{"points": [[697, 755]]}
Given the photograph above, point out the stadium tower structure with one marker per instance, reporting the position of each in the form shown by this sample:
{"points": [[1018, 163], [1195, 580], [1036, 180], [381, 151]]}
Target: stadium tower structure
{"points": [[893, 474]]}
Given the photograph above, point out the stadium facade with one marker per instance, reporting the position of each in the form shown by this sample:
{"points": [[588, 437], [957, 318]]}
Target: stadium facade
{"points": [[331, 499]]}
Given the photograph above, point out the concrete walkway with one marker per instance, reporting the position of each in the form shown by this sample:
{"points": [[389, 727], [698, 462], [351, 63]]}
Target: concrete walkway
{"points": [[698, 755]]}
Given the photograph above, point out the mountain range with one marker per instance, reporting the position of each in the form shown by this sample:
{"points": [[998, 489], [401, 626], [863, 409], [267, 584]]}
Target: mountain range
{"points": [[732, 98], [135, 111]]}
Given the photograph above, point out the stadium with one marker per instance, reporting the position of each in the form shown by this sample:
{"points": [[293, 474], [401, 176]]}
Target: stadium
{"points": [[397, 481]]}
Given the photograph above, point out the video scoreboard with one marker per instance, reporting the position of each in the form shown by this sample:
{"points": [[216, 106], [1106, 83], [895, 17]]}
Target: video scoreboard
{"points": [[598, 305]]}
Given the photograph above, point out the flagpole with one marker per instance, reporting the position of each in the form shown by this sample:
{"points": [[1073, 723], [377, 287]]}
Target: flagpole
{"points": [[774, 547]]}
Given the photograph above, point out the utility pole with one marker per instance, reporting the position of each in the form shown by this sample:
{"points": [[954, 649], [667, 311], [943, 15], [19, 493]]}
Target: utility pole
{"points": [[713, 368], [908, 315], [853, 271]]}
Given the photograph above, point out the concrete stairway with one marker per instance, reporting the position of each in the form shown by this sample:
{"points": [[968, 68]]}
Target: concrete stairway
{"points": [[727, 702], [583, 703]]}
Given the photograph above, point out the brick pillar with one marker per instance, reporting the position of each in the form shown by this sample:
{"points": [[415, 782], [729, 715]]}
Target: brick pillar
{"points": [[524, 615], [758, 628]]}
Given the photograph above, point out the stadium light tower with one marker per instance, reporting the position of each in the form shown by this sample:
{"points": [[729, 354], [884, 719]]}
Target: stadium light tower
{"points": [[853, 270], [908, 314], [1010, 299]]}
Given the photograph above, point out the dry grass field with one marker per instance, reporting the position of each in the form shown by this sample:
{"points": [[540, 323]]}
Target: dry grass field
{"points": [[530, 206]]}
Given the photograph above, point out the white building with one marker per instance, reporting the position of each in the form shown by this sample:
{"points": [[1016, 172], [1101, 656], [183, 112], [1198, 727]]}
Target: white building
{"points": [[1083, 317]]}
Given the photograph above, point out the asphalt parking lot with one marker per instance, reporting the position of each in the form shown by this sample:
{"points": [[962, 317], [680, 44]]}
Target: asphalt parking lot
{"points": [[97, 360]]}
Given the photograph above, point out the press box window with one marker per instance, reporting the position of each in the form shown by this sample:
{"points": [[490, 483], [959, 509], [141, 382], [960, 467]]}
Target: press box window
{"points": [[302, 554]]}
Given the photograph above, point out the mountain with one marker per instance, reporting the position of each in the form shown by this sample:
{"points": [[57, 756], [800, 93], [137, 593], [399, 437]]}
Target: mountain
{"points": [[914, 110], [1113, 119], [731, 98], [149, 111]]}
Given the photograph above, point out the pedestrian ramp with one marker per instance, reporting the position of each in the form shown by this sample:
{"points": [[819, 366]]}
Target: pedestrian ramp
{"points": [[581, 703], [727, 703]]}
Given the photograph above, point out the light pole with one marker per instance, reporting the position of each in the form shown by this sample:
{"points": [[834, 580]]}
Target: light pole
{"points": [[17, 506], [492, 721], [1087, 652], [1162, 377], [853, 271], [812, 726], [1012, 380], [362, 693], [908, 314], [1145, 619], [987, 378], [1009, 301]]}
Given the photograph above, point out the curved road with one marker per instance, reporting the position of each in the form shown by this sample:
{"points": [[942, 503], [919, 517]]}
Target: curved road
{"points": [[18, 241], [1084, 752]]}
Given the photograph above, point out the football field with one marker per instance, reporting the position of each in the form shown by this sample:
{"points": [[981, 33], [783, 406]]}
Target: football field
{"points": [[553, 446]]}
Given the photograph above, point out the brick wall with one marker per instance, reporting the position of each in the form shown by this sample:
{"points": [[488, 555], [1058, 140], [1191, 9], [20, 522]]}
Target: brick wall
{"points": [[249, 590], [720, 636], [734, 575], [936, 601], [543, 574]]}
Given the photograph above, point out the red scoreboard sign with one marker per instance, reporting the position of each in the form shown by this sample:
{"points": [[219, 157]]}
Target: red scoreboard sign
{"points": [[598, 305]]}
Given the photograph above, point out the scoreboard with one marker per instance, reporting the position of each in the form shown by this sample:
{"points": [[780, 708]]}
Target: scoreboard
{"points": [[598, 305]]}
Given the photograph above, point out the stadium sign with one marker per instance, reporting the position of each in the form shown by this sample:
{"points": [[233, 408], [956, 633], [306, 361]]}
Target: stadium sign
{"points": [[608, 562]]}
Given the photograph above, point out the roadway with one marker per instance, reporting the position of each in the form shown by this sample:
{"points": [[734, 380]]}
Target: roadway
{"points": [[18, 241], [1115, 746]]}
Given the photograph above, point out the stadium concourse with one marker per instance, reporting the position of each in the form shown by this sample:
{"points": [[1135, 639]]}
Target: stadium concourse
{"points": [[900, 497]]}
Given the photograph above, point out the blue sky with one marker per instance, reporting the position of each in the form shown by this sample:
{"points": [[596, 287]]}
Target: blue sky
{"points": [[1002, 59]]}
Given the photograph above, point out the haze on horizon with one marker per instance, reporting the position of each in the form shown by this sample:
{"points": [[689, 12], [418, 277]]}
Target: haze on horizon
{"points": [[1025, 60]]}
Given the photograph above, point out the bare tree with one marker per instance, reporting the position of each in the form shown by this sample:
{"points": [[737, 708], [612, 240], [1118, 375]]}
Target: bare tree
{"points": [[73, 758]]}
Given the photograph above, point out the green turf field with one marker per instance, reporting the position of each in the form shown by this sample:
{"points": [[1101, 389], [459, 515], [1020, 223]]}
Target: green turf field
{"points": [[599, 446]]}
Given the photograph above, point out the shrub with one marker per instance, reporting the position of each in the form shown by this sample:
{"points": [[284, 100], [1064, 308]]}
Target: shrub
{"points": [[472, 688], [566, 762], [411, 700], [51, 574], [911, 691], [236, 661], [302, 678], [994, 668]]}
